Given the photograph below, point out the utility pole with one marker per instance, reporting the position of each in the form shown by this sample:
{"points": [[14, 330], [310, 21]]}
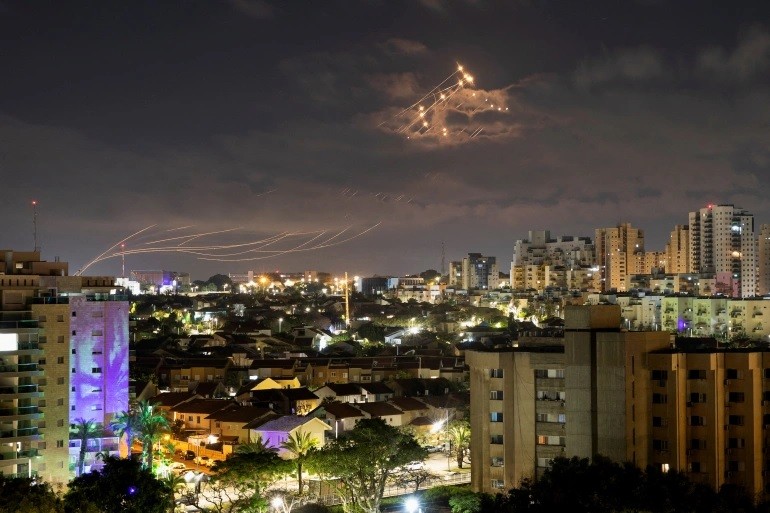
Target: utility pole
{"points": [[34, 223]]}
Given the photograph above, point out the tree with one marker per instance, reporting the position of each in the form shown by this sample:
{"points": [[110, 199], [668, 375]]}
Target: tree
{"points": [[121, 486], [460, 437], [151, 426], [240, 482], [23, 495], [363, 461], [126, 424], [299, 444], [84, 430]]}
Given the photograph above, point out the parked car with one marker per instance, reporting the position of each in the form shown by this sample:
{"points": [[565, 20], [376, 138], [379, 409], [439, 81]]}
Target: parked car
{"points": [[434, 448], [202, 460], [178, 467], [189, 455]]}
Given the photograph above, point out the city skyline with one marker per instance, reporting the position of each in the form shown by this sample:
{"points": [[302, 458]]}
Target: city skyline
{"points": [[278, 118]]}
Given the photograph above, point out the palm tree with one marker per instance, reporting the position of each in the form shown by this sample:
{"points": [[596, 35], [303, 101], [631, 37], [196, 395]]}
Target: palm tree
{"points": [[151, 425], [299, 444], [83, 430], [460, 436], [126, 423], [257, 446]]}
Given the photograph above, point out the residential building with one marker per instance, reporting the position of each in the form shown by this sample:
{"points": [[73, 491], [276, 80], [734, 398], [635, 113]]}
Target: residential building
{"points": [[617, 253], [763, 261], [577, 396], [540, 261], [63, 357], [480, 272], [678, 250], [722, 243]]}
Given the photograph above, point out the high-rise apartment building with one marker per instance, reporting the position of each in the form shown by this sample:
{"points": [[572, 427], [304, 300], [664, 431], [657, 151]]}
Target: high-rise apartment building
{"points": [[722, 243], [582, 395], [678, 251], [617, 251], [479, 272], [63, 357], [541, 261], [763, 260], [630, 396]]}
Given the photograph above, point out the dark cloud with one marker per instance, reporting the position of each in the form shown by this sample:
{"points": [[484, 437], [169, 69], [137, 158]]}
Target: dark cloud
{"points": [[257, 9], [749, 59], [298, 127], [400, 46]]}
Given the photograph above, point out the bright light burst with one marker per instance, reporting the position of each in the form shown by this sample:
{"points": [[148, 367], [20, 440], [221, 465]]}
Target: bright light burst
{"points": [[427, 118], [243, 251]]}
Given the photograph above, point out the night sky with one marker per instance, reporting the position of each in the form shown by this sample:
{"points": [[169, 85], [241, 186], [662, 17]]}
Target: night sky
{"points": [[277, 118]]}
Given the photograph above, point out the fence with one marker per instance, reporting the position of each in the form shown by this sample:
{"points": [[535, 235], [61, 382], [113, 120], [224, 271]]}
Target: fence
{"points": [[395, 491]]}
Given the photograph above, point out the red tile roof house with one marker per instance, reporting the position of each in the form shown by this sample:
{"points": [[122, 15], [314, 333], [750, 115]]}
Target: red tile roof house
{"points": [[382, 410], [342, 416], [230, 424], [276, 431]]}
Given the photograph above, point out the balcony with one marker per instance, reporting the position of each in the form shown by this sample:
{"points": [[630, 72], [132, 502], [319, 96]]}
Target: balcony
{"points": [[18, 455], [20, 368], [19, 434], [21, 413], [20, 392]]}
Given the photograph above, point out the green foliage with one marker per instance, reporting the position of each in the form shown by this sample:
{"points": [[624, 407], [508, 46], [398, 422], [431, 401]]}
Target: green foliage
{"points": [[121, 486], [363, 460], [602, 486], [465, 503], [240, 481], [84, 430], [152, 424], [22, 495], [299, 445], [372, 332]]}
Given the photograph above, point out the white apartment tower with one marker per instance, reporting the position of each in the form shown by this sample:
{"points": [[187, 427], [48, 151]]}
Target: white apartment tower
{"points": [[722, 243], [480, 272], [539, 260]]}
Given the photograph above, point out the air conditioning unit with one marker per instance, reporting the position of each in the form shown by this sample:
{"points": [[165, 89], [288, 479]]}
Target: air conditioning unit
{"points": [[727, 382]]}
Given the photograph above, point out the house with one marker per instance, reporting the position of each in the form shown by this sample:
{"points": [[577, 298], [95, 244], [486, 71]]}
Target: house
{"points": [[230, 424], [277, 431], [342, 416], [316, 338], [286, 401], [375, 391], [167, 400], [282, 368], [382, 410], [342, 392], [411, 408], [195, 413]]}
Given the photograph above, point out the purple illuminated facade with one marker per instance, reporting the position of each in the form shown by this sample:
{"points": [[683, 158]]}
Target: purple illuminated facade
{"points": [[99, 358]]}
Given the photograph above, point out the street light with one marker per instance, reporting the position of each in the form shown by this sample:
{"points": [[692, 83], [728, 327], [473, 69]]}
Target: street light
{"points": [[280, 321], [277, 502], [412, 505]]}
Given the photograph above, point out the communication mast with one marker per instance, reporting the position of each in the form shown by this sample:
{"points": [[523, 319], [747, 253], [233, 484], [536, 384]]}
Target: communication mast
{"points": [[34, 224]]}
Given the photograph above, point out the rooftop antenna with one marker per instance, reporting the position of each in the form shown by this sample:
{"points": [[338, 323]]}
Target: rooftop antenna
{"points": [[34, 224]]}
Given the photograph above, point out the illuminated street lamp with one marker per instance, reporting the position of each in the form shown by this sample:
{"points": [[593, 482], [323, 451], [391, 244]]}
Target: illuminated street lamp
{"points": [[280, 321], [277, 503], [412, 505]]}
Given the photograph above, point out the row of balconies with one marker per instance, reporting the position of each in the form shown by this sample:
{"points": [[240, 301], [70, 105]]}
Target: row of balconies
{"points": [[18, 433], [19, 389]]}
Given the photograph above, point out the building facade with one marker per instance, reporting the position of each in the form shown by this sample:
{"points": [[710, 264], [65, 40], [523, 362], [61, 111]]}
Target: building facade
{"points": [[722, 243], [479, 272]]}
